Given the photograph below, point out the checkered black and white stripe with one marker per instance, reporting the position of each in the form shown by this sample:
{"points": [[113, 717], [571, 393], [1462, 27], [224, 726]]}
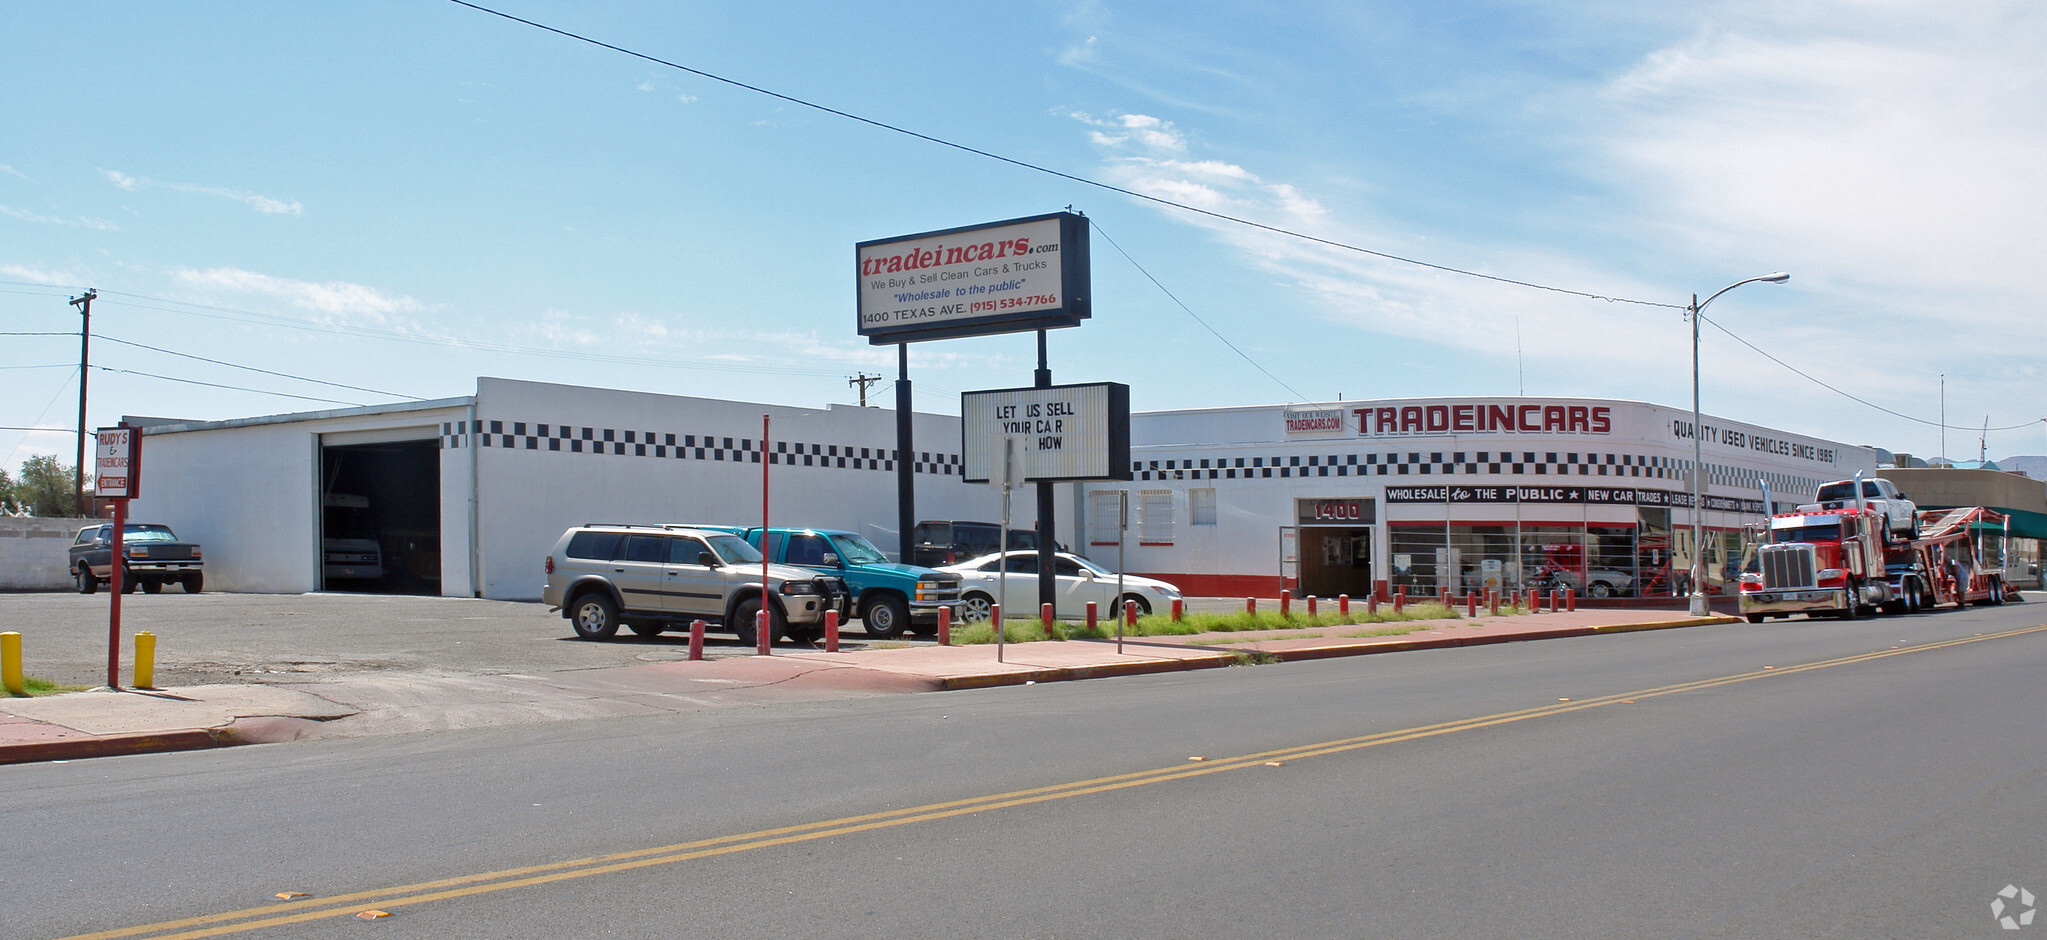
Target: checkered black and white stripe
{"points": [[1413, 463], [1467, 463], [616, 442]]}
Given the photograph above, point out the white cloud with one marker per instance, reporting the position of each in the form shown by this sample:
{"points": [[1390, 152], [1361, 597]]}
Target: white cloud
{"points": [[333, 297], [90, 222], [260, 203], [1886, 158], [10, 171], [38, 275], [1890, 159]]}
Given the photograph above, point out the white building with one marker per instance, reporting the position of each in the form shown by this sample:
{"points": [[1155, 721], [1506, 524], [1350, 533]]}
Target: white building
{"points": [[1462, 493], [465, 496]]}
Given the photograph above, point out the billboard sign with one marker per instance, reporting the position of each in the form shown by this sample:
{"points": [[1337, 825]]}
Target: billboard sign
{"points": [[1066, 432], [1003, 277], [118, 454]]}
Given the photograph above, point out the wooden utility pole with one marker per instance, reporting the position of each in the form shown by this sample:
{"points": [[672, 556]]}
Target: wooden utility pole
{"points": [[84, 369], [863, 380]]}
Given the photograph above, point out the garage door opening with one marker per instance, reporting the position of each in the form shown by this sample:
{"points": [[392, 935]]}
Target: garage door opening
{"points": [[380, 517]]}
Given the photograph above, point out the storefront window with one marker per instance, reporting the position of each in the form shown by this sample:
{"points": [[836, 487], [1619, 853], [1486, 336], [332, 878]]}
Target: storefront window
{"points": [[1419, 561], [2022, 562]]}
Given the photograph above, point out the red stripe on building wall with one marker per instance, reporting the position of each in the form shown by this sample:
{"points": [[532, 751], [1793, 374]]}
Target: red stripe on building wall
{"points": [[1224, 585]]}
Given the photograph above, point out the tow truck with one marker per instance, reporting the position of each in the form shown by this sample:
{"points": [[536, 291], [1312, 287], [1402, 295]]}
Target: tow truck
{"points": [[1850, 561]]}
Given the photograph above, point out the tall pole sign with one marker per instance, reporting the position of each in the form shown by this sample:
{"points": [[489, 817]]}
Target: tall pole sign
{"points": [[1018, 275], [118, 477]]}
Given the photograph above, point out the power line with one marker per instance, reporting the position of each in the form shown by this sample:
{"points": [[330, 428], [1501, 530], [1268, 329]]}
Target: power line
{"points": [[1810, 378], [218, 362], [1012, 161], [236, 388], [271, 319], [1197, 317], [282, 375], [38, 419]]}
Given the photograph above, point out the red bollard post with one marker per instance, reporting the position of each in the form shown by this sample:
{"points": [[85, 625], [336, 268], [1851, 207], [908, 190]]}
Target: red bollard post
{"points": [[1286, 603], [945, 626], [1343, 605], [1045, 618], [696, 641], [1470, 603], [1372, 603], [1250, 605], [1400, 599], [1555, 600], [1570, 599], [1177, 610], [831, 631], [1445, 595], [1379, 591], [761, 639], [995, 619], [1090, 616], [1311, 605], [1129, 615]]}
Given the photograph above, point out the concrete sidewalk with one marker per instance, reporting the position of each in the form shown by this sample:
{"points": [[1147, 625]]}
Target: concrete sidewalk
{"points": [[107, 722]]}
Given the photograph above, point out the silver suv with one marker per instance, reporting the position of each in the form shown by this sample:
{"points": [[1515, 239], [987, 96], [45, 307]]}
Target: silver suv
{"points": [[654, 577]]}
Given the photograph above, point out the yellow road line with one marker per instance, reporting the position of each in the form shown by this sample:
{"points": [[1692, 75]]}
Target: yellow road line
{"points": [[256, 918]]}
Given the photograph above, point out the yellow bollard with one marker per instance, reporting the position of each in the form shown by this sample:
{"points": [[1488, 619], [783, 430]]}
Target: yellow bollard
{"points": [[10, 663], [145, 660]]}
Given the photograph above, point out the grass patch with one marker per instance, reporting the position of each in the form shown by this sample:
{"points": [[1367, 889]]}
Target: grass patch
{"points": [[35, 687], [1225, 641], [1382, 631], [1161, 624], [1027, 631]]}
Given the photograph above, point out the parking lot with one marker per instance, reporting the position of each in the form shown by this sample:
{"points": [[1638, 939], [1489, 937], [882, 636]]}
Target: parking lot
{"points": [[296, 638]]}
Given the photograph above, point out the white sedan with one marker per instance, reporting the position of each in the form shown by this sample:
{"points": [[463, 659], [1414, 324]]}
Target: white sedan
{"points": [[1078, 581]]}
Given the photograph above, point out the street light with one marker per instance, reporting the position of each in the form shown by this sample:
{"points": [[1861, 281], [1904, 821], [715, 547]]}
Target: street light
{"points": [[1699, 607]]}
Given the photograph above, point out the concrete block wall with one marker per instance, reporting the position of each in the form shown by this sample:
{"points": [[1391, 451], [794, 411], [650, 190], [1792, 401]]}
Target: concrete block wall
{"points": [[34, 552]]}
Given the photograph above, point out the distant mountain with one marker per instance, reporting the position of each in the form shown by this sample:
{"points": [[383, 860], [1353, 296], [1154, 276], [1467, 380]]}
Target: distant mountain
{"points": [[2035, 467]]}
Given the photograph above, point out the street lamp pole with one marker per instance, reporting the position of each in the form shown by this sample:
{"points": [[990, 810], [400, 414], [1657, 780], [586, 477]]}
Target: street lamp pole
{"points": [[1699, 607]]}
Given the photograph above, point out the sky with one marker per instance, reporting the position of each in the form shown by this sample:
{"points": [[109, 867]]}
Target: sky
{"points": [[299, 207]]}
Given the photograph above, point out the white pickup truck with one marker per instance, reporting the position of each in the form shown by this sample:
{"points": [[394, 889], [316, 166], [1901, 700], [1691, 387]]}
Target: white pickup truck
{"points": [[1900, 514]]}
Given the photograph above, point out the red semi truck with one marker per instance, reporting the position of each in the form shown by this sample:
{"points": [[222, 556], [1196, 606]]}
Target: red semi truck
{"points": [[1850, 561]]}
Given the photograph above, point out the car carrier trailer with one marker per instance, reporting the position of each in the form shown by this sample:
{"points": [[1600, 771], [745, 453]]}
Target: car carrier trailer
{"points": [[1849, 562]]}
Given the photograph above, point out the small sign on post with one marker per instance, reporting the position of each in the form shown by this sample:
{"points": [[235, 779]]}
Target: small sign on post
{"points": [[117, 476]]}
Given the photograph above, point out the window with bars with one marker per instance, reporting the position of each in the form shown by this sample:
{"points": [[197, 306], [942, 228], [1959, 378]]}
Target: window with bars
{"points": [[1103, 517], [1201, 506], [1155, 517]]}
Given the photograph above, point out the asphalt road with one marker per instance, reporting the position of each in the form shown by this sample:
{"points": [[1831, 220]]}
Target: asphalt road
{"points": [[1822, 779], [208, 638]]}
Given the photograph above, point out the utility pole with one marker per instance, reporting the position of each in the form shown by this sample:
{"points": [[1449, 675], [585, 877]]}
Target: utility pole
{"points": [[863, 380], [84, 369]]}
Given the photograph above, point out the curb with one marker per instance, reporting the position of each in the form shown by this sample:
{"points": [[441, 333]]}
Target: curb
{"points": [[1309, 653], [1401, 646], [1067, 673], [113, 745]]}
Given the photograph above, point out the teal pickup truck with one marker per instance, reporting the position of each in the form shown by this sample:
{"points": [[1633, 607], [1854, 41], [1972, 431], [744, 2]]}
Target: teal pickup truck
{"points": [[887, 597]]}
